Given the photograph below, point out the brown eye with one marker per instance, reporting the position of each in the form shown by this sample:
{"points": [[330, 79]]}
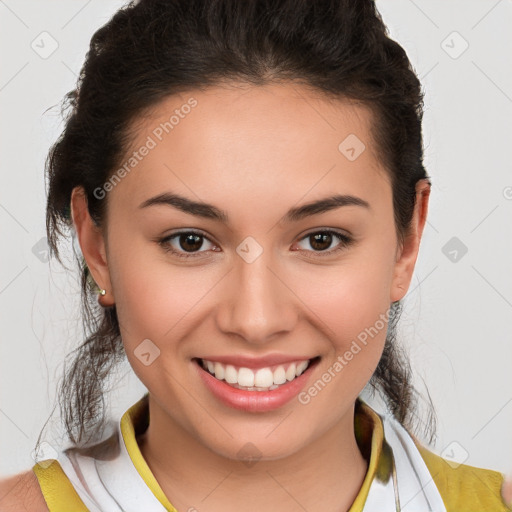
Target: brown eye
{"points": [[321, 241], [190, 242], [184, 244]]}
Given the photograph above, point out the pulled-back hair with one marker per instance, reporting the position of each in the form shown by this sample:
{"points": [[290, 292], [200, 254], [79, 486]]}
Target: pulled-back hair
{"points": [[155, 48]]}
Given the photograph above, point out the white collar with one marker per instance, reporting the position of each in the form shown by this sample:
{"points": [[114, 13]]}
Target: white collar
{"points": [[402, 481], [110, 482]]}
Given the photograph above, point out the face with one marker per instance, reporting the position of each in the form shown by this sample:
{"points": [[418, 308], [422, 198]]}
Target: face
{"points": [[243, 282]]}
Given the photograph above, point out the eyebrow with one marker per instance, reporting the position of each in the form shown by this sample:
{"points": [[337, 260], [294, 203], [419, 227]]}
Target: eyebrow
{"points": [[209, 211]]}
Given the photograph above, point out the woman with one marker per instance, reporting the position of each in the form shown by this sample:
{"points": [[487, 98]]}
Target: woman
{"points": [[245, 183]]}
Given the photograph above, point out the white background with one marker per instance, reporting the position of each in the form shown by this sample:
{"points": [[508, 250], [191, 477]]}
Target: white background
{"points": [[457, 321]]}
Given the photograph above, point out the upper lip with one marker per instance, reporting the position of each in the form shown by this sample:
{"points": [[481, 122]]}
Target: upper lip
{"points": [[257, 362]]}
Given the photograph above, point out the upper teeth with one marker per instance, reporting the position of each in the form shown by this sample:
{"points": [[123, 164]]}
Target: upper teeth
{"points": [[260, 378]]}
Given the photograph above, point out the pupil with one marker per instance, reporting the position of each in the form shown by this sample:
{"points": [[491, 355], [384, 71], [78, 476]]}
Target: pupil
{"points": [[321, 238], [192, 242]]}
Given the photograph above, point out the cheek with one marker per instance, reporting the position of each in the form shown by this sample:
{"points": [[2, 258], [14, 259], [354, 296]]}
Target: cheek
{"points": [[157, 302], [350, 305], [350, 297], [352, 309], [156, 299]]}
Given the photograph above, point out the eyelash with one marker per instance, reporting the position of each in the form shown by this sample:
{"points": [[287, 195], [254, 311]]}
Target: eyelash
{"points": [[346, 242]]}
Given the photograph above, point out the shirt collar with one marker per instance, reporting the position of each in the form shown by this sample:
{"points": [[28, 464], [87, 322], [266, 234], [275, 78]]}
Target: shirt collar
{"points": [[368, 430]]}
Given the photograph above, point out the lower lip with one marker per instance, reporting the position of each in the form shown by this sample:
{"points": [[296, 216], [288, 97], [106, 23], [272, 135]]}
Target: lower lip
{"points": [[254, 401]]}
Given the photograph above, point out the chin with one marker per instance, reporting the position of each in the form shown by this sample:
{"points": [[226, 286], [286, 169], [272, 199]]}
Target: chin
{"points": [[261, 446]]}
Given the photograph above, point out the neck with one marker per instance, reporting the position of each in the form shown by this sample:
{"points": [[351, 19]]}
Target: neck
{"points": [[325, 475]]}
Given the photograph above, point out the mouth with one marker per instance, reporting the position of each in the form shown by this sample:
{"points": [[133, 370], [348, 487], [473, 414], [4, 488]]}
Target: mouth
{"points": [[265, 379]]}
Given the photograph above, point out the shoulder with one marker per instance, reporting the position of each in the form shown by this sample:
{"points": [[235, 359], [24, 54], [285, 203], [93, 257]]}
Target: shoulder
{"points": [[464, 487], [21, 492]]}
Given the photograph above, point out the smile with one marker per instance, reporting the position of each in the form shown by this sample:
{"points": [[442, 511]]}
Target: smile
{"points": [[262, 379], [259, 389]]}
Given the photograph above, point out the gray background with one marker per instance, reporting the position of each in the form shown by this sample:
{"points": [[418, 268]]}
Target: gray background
{"points": [[457, 319]]}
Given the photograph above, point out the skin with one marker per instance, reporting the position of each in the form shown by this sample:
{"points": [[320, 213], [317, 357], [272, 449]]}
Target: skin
{"points": [[254, 152], [21, 492]]}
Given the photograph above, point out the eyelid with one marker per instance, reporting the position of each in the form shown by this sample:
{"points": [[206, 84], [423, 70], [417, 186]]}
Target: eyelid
{"points": [[325, 229], [165, 241], [344, 238]]}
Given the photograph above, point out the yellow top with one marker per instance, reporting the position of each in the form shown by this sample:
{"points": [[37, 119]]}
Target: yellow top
{"points": [[463, 488]]}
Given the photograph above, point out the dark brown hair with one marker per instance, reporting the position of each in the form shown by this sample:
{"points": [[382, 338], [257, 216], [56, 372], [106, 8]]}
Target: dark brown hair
{"points": [[154, 48]]}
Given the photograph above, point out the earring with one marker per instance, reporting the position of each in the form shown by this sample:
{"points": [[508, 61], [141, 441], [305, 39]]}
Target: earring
{"points": [[101, 301]]}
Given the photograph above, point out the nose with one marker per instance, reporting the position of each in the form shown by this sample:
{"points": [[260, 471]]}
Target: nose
{"points": [[259, 305]]}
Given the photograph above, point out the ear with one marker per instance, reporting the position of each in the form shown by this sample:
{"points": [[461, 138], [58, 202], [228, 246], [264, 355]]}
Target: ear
{"points": [[408, 253], [92, 244]]}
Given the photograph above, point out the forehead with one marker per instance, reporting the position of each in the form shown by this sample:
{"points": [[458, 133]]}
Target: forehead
{"points": [[266, 115], [255, 140]]}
